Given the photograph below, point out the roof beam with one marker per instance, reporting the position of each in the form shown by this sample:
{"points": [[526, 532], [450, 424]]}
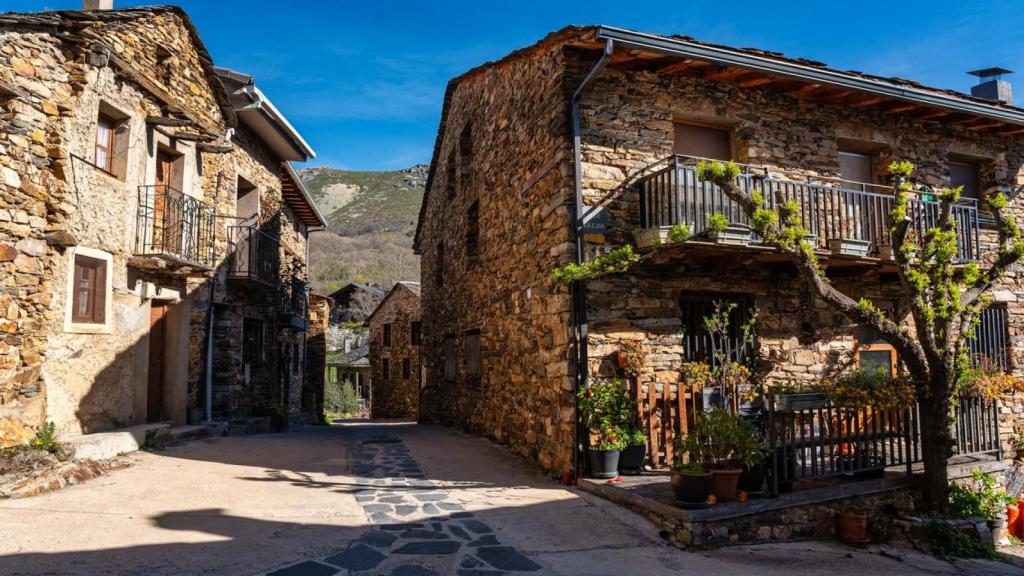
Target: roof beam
{"points": [[868, 101], [934, 115], [725, 74], [755, 81], [676, 67], [899, 107]]}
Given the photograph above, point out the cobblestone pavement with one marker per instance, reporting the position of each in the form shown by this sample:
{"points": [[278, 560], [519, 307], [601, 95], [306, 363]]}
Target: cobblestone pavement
{"points": [[418, 527]]}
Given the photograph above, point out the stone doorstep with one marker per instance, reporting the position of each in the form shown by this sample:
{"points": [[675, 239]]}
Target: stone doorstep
{"points": [[105, 445]]}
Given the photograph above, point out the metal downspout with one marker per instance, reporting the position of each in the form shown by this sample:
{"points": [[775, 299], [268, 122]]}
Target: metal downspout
{"points": [[579, 294]]}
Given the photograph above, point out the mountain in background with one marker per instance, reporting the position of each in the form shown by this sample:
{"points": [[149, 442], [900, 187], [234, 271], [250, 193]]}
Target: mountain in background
{"points": [[371, 219]]}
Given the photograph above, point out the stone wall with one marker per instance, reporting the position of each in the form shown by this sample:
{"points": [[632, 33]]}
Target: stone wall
{"points": [[395, 395], [516, 162], [316, 356]]}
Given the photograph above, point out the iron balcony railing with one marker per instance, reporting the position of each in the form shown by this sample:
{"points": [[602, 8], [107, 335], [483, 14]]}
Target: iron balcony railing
{"points": [[254, 255], [671, 193], [174, 225]]}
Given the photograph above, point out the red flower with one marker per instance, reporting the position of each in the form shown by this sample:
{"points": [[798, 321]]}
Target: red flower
{"points": [[587, 393]]}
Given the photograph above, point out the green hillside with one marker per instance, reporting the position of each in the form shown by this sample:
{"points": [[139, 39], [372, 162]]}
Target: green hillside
{"points": [[371, 220]]}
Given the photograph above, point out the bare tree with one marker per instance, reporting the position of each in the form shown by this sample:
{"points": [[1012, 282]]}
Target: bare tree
{"points": [[943, 296]]}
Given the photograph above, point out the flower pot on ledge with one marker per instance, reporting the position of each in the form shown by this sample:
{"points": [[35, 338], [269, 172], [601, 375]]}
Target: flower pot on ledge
{"points": [[604, 464], [732, 235], [648, 238], [691, 489], [849, 247]]}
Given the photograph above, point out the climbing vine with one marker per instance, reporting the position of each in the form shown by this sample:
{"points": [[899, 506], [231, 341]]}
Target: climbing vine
{"points": [[617, 260]]}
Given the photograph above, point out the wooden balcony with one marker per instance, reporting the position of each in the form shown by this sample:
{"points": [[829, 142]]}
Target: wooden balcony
{"points": [[831, 209], [174, 228], [255, 256]]}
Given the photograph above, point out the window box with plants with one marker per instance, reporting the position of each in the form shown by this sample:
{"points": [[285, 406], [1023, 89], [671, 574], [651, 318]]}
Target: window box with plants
{"points": [[648, 239], [848, 244], [720, 231]]}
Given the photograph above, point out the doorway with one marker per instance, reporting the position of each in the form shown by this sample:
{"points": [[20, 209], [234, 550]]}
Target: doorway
{"points": [[157, 348]]}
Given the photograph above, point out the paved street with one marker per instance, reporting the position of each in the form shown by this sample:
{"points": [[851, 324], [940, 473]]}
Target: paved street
{"points": [[384, 499]]}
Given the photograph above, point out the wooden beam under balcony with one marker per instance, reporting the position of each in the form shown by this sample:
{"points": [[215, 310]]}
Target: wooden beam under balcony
{"points": [[983, 125], [1016, 130], [899, 108], [932, 114], [725, 74], [867, 101], [755, 80], [167, 121], [676, 67], [805, 90]]}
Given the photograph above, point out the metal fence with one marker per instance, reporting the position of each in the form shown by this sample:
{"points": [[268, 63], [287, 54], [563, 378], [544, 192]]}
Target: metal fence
{"points": [[174, 225], [671, 193], [254, 254]]}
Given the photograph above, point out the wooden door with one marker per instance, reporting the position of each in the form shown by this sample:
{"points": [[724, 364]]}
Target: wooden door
{"points": [[166, 209], [157, 341]]}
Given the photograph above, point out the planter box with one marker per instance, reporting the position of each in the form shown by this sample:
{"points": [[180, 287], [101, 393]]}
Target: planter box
{"points": [[794, 402], [646, 239], [849, 247], [734, 235]]}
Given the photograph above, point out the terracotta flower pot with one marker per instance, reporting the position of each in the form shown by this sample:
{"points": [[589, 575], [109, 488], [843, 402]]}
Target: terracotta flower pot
{"points": [[724, 482], [621, 359], [852, 527], [1013, 519]]}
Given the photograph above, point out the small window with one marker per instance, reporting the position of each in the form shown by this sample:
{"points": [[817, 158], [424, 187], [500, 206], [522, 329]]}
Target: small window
{"points": [[991, 342], [439, 264], [473, 357], [702, 141], [873, 352], [473, 231], [857, 170], [465, 156], [452, 176], [385, 369], [414, 332], [406, 368], [386, 335], [451, 367], [252, 341], [965, 174], [89, 303], [110, 148], [105, 127], [247, 200]]}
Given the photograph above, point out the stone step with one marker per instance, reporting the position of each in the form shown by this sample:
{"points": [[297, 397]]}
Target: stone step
{"points": [[104, 445]]}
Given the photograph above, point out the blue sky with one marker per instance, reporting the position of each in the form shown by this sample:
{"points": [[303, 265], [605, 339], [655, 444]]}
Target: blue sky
{"points": [[363, 80]]}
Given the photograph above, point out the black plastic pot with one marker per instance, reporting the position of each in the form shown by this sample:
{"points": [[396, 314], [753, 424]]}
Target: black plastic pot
{"points": [[604, 463], [752, 479], [631, 460], [692, 490]]}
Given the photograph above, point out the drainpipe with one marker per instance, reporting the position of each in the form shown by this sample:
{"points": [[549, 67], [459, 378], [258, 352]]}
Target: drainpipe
{"points": [[208, 384], [579, 294]]}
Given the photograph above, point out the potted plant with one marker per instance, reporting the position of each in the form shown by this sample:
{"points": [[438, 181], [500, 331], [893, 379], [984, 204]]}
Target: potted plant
{"points": [[605, 408], [731, 440], [648, 239], [985, 499], [752, 454], [847, 245], [691, 481], [720, 231], [852, 525], [790, 398], [631, 459]]}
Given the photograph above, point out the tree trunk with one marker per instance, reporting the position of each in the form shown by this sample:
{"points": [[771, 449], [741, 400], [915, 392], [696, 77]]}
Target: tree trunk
{"points": [[936, 446]]}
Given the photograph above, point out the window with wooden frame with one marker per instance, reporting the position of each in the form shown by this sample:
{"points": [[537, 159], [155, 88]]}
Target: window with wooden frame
{"points": [[414, 332], [472, 343], [105, 127], [991, 342], [110, 147], [966, 174], [874, 353], [406, 368], [698, 345], [252, 341], [385, 369], [466, 156], [473, 232], [386, 335], [702, 140], [89, 296], [452, 174]]}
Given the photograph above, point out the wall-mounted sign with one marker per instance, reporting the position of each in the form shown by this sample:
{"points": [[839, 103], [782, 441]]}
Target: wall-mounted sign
{"points": [[595, 220]]}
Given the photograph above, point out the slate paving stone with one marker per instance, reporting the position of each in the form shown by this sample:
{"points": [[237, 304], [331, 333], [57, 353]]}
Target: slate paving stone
{"points": [[451, 506], [470, 562], [378, 539], [433, 548], [392, 499], [489, 540], [437, 526], [365, 498], [381, 518], [474, 525], [358, 557], [405, 510], [422, 534], [459, 532], [413, 570], [430, 497], [377, 507], [462, 515], [480, 573], [307, 568], [429, 508], [507, 558], [398, 527]]}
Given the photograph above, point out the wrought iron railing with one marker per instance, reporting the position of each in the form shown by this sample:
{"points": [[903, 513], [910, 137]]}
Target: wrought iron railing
{"points": [[255, 255], [671, 193], [811, 438], [173, 225]]}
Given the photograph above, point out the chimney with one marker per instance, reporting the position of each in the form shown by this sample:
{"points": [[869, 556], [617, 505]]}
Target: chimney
{"points": [[992, 86], [97, 4]]}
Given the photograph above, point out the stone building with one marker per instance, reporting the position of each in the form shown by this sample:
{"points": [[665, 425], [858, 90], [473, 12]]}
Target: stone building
{"points": [[395, 353], [315, 369], [152, 231], [507, 176]]}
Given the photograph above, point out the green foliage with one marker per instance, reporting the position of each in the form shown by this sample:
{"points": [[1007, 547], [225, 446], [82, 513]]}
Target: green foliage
{"points": [[997, 201], [606, 411], [679, 233], [690, 468], [719, 438], [717, 222], [717, 172], [341, 400], [945, 541], [634, 437], [153, 440], [986, 499], [762, 220], [46, 439], [617, 260], [902, 169]]}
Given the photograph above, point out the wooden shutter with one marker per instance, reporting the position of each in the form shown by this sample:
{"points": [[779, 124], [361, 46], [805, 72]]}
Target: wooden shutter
{"points": [[99, 301], [856, 168], [88, 297], [965, 174], [702, 141]]}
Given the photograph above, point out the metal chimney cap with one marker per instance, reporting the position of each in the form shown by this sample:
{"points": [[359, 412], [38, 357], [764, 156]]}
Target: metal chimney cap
{"points": [[990, 72]]}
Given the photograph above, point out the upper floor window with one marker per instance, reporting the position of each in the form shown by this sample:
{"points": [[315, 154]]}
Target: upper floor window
{"points": [[965, 174], [473, 357], [110, 148], [386, 335], [991, 342], [247, 200], [465, 155], [857, 169], [414, 332], [439, 264], [473, 231], [406, 368], [453, 174], [252, 341], [385, 368], [702, 141]]}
